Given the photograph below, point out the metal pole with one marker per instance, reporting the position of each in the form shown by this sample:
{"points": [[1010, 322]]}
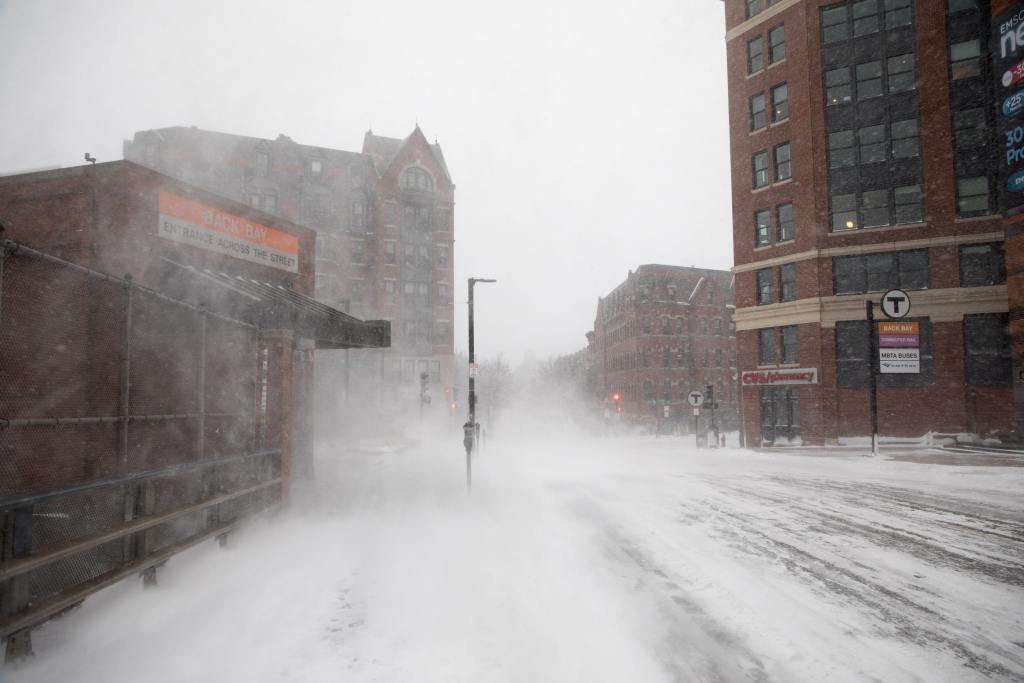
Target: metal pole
{"points": [[472, 360], [696, 427], [872, 381]]}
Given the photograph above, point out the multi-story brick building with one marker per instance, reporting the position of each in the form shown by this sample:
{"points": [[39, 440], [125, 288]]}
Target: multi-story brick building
{"points": [[863, 151], [384, 233], [662, 333]]}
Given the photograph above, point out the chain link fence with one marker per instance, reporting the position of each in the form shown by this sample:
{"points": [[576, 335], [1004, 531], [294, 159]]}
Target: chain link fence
{"points": [[132, 426]]}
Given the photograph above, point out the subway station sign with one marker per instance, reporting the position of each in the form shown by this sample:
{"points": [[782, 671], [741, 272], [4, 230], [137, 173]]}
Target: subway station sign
{"points": [[1007, 48], [187, 221]]}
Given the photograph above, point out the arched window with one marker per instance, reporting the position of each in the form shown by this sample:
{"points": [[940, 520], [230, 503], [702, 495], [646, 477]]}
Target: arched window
{"points": [[416, 178]]}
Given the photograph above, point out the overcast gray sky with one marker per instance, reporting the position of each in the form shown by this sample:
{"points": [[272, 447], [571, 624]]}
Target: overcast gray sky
{"points": [[584, 137]]}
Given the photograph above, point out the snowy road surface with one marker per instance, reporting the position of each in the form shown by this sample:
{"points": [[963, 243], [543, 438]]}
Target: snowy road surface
{"points": [[621, 560]]}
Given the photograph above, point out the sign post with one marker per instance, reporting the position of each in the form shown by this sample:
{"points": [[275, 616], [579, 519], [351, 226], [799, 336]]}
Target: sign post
{"points": [[897, 351], [696, 399]]}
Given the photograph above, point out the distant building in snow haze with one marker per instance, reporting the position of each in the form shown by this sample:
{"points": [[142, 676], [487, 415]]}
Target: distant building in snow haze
{"points": [[384, 222], [662, 333], [864, 156]]}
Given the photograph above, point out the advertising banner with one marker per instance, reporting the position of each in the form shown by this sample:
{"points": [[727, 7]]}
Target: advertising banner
{"points": [[187, 221], [1007, 48], [779, 377]]}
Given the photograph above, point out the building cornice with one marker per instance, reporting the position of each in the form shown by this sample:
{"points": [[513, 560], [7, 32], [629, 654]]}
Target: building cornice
{"points": [[941, 305], [873, 248]]}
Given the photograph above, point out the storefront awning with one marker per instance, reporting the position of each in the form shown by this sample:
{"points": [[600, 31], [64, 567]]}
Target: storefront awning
{"points": [[271, 306]]}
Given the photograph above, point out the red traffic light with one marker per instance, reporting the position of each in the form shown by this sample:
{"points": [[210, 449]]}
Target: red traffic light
{"points": [[616, 397]]}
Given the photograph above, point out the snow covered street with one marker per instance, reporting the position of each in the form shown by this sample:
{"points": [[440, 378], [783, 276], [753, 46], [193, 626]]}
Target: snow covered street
{"points": [[629, 559]]}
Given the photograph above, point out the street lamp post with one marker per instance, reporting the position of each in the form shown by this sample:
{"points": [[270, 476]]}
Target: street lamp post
{"points": [[471, 428]]}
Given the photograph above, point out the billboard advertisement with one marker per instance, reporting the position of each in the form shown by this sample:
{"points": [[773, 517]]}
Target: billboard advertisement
{"points": [[1007, 49], [187, 221]]}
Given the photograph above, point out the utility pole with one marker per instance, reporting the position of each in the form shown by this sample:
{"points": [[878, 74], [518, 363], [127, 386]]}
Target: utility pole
{"points": [[471, 430]]}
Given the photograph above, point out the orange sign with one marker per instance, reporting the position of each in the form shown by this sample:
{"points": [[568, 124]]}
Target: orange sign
{"points": [[896, 327], [190, 222]]}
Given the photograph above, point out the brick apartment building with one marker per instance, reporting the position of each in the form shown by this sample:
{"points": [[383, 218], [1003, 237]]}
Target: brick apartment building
{"points": [[662, 333], [863, 155], [384, 227]]}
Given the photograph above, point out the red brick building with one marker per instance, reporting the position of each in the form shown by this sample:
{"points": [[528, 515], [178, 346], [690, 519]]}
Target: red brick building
{"points": [[201, 249], [662, 333], [863, 155], [384, 224]]}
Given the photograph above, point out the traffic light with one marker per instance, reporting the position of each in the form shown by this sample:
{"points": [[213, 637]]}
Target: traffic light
{"points": [[709, 394], [617, 401]]}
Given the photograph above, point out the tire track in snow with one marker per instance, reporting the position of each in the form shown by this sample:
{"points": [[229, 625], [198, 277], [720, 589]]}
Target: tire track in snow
{"points": [[695, 645], [911, 620]]}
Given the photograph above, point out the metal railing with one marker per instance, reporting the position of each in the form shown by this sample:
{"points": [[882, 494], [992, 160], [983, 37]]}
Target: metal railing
{"points": [[132, 426]]}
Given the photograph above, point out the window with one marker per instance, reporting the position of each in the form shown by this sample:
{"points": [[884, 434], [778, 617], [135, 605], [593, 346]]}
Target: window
{"points": [[904, 139], [646, 356], [762, 228], [316, 166], [358, 215], [841, 152], [787, 282], [755, 55], [666, 358], [389, 252], [965, 59], [901, 73], [416, 178], [865, 17], [766, 346], [759, 166], [758, 115], [972, 196], [780, 102], [442, 294], [703, 326], [783, 164], [358, 255], [871, 144], [962, 5], [834, 24], [435, 372], [718, 326], [852, 362], [874, 208], [390, 292], [704, 358], [897, 13], [679, 326], [442, 256], [784, 221], [788, 343], [665, 329], [838, 89], [753, 7], [880, 272], [262, 164], [764, 286], [982, 265], [908, 203], [986, 350], [844, 212], [869, 79], [777, 44]]}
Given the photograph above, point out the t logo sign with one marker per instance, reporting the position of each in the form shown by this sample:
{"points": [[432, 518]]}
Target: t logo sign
{"points": [[896, 303]]}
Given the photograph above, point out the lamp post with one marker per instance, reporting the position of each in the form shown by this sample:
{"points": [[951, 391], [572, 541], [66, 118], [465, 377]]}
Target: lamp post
{"points": [[471, 428]]}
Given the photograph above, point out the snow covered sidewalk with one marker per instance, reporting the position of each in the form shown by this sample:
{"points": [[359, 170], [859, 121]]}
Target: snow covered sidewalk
{"points": [[582, 560]]}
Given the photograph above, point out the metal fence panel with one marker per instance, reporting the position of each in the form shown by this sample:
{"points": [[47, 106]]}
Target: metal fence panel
{"points": [[130, 428]]}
